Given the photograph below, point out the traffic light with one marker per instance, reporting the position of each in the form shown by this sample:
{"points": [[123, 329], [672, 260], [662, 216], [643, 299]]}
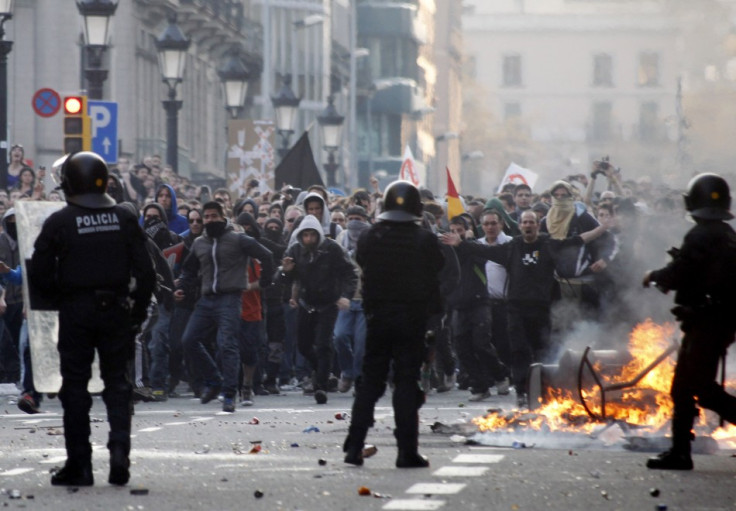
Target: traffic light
{"points": [[76, 125]]}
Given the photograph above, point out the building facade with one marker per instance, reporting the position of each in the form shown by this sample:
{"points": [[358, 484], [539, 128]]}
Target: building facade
{"points": [[568, 82]]}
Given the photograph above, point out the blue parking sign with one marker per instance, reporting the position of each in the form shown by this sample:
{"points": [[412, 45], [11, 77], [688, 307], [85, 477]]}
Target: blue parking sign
{"points": [[104, 125]]}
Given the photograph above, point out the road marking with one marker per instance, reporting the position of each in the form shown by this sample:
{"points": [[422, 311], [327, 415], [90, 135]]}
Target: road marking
{"points": [[53, 461], [176, 423], [415, 504], [436, 488], [16, 471], [478, 458], [460, 471], [148, 430]]}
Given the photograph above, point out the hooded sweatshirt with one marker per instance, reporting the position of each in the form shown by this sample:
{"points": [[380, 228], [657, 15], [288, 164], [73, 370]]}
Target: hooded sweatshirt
{"points": [[324, 274], [177, 223], [329, 228]]}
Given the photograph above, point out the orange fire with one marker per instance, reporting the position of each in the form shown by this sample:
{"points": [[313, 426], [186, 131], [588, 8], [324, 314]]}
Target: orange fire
{"points": [[647, 403]]}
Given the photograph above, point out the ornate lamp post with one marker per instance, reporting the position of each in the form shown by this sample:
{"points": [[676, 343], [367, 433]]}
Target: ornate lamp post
{"points": [[6, 13], [331, 124], [172, 49], [234, 75], [286, 105], [96, 15]]}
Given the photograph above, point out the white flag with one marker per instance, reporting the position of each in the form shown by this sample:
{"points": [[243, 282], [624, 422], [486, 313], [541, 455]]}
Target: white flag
{"points": [[518, 175], [409, 171]]}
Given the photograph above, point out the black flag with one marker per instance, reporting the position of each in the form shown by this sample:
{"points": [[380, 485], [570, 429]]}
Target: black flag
{"points": [[298, 168]]}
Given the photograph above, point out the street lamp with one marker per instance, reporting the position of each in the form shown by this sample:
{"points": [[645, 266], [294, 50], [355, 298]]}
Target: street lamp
{"points": [[96, 15], [172, 49], [6, 12], [331, 124], [286, 105], [234, 75]]}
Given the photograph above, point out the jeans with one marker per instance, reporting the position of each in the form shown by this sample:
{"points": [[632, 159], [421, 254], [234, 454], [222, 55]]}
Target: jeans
{"points": [[160, 347], [315, 340], [220, 312], [350, 334], [292, 363]]}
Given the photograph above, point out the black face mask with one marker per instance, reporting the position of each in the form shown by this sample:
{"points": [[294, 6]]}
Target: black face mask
{"points": [[151, 221], [12, 230], [215, 229]]}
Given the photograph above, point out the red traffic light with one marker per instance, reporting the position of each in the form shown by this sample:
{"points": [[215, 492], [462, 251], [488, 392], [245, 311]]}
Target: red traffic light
{"points": [[73, 105]]}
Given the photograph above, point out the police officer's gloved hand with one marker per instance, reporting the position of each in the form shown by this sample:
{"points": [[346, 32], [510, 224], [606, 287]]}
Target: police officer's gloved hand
{"points": [[138, 315]]}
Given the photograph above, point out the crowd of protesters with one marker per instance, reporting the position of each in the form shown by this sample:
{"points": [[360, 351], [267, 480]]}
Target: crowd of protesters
{"points": [[299, 322]]}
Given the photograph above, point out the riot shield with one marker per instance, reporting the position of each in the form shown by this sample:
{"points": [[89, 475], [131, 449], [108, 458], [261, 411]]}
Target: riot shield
{"points": [[43, 325]]}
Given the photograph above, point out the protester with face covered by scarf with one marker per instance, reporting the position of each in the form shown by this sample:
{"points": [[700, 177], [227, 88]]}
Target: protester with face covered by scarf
{"points": [[565, 219], [162, 343], [218, 262], [350, 327], [13, 303]]}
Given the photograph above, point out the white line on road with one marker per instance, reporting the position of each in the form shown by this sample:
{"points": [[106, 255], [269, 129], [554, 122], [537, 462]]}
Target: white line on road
{"points": [[436, 488], [478, 458], [460, 471], [16, 471], [415, 504], [149, 430]]}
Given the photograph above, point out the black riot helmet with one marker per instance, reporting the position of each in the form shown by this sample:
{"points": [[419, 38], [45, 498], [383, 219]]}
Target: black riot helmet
{"points": [[708, 197], [84, 180], [401, 203]]}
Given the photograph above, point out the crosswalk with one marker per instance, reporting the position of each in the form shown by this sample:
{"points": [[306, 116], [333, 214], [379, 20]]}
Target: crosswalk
{"points": [[463, 465]]}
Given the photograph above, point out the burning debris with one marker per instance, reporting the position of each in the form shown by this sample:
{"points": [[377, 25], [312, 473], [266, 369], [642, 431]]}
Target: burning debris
{"points": [[614, 397]]}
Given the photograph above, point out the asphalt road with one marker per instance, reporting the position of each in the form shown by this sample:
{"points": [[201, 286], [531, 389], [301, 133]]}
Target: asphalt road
{"points": [[192, 456]]}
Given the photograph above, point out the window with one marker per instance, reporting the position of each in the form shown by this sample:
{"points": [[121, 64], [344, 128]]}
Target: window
{"points": [[601, 125], [648, 71], [512, 71], [649, 129], [511, 110], [602, 70]]}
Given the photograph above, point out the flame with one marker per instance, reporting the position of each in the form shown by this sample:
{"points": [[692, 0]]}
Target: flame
{"points": [[647, 403]]}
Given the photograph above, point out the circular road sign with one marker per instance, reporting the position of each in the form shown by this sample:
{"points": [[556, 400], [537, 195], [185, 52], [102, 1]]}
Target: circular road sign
{"points": [[46, 102]]}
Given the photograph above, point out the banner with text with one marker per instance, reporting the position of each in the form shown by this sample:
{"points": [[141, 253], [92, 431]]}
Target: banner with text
{"points": [[250, 155]]}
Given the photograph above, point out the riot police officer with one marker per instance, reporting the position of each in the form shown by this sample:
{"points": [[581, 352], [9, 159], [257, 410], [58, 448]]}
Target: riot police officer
{"points": [[400, 263], [87, 258], [703, 274]]}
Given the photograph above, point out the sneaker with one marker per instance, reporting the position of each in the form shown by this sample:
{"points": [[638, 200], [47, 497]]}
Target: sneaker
{"points": [[480, 396], [142, 394], [228, 405], [671, 460], [503, 387], [28, 404], [345, 384], [321, 397], [272, 389], [260, 390], [159, 396], [246, 397], [208, 394], [308, 387], [450, 381]]}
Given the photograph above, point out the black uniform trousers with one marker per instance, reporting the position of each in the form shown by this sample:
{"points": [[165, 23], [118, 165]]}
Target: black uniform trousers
{"points": [[707, 337], [471, 329], [395, 333], [84, 328]]}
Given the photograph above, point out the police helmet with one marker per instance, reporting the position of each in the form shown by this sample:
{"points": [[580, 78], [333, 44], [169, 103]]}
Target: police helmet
{"points": [[401, 203], [84, 180], [708, 197]]}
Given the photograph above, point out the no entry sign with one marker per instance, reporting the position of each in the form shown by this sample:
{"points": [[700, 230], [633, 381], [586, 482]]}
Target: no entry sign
{"points": [[46, 102]]}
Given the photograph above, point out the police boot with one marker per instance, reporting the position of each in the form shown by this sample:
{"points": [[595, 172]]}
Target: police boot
{"points": [[77, 470], [409, 456], [353, 446], [119, 463], [678, 457]]}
